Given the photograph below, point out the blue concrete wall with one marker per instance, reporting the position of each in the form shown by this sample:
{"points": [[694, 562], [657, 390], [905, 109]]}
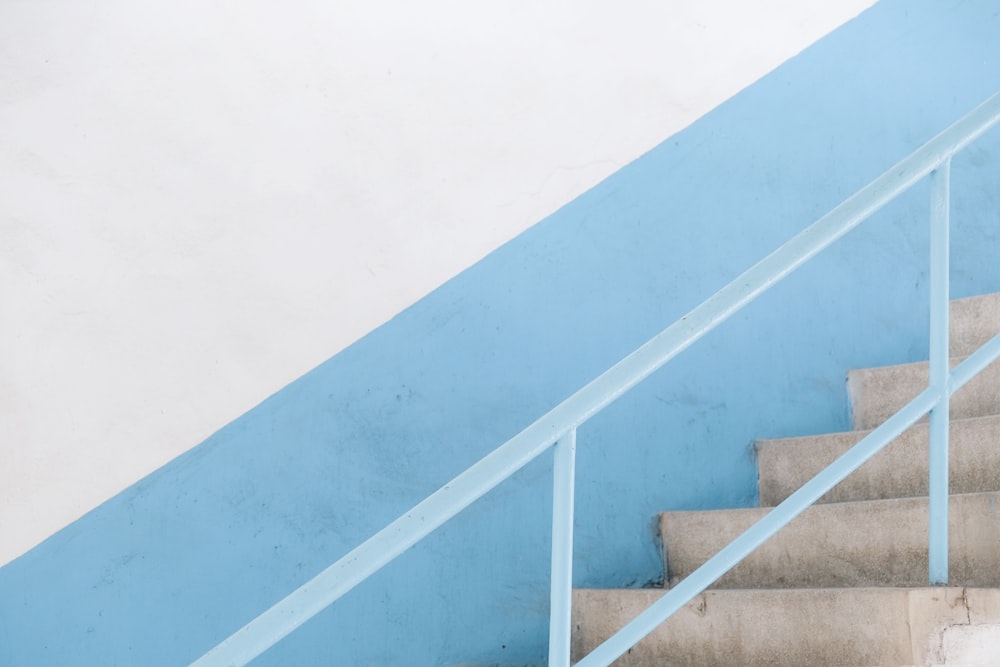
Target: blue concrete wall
{"points": [[160, 573]]}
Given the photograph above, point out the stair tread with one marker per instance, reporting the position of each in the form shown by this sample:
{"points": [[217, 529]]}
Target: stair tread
{"points": [[974, 320], [816, 626], [878, 393], [841, 544], [835, 586], [899, 470]]}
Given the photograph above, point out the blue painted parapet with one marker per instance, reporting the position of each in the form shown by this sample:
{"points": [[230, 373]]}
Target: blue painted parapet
{"points": [[159, 574], [557, 430]]}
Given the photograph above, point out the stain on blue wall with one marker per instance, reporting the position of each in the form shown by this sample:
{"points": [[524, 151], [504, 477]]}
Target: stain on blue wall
{"points": [[162, 572]]}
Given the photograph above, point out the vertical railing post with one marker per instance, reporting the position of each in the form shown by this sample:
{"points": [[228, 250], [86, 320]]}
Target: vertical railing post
{"points": [[937, 560], [560, 614]]}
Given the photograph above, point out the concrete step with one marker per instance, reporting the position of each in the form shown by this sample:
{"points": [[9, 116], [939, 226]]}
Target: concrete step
{"points": [[815, 627], [898, 471], [877, 393], [864, 543], [814, 603], [974, 320]]}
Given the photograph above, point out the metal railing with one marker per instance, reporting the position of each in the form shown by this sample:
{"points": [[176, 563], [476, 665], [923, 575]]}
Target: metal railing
{"points": [[557, 429]]}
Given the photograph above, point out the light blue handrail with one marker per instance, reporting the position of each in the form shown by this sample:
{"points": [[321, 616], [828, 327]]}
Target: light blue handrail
{"points": [[557, 429]]}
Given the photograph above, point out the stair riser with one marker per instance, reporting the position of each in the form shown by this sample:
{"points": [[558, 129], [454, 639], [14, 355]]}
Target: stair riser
{"points": [[811, 627], [974, 321], [805, 596], [898, 471], [872, 543], [878, 393]]}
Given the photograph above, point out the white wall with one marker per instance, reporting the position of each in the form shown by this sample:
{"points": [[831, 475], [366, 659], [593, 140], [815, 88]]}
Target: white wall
{"points": [[201, 201]]}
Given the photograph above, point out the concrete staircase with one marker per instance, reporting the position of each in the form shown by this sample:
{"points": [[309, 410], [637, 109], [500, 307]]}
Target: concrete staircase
{"points": [[845, 583]]}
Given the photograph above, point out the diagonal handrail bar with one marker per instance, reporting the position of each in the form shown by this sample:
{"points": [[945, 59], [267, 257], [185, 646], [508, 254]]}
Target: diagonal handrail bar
{"points": [[330, 584], [730, 555]]}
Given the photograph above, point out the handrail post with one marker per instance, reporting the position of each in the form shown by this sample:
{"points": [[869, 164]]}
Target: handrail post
{"points": [[937, 556], [558, 428], [561, 604]]}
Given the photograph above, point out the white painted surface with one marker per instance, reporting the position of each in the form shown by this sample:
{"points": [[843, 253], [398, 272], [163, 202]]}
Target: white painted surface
{"points": [[966, 645], [201, 201]]}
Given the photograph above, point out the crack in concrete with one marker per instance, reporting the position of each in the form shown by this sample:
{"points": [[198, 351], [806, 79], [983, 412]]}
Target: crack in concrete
{"points": [[940, 656]]}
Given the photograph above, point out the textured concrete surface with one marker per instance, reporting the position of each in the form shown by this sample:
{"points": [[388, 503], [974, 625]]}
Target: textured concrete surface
{"points": [[865, 543], [831, 587], [748, 628], [967, 645], [878, 393], [974, 320], [898, 471]]}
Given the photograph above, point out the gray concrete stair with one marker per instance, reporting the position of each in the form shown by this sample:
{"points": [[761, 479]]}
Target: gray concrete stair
{"points": [[814, 627], [863, 543], [898, 471], [843, 583], [878, 393], [974, 320]]}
